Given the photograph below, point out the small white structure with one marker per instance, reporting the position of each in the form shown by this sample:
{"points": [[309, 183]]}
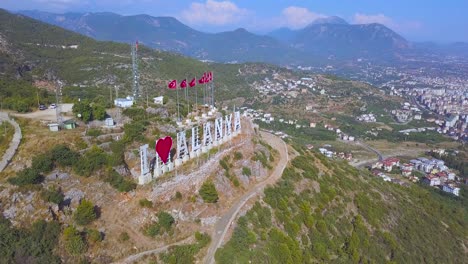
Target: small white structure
{"points": [[54, 127], [124, 102], [109, 122], [451, 189], [159, 100]]}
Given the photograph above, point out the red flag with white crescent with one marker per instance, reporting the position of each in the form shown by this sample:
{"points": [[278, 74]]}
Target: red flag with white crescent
{"points": [[210, 76], [183, 84], [193, 82], [202, 80], [172, 85]]}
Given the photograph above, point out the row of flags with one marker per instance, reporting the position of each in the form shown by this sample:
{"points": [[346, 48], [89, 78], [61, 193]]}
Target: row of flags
{"points": [[206, 78]]}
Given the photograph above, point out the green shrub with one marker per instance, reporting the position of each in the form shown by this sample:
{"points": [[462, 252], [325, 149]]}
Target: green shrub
{"points": [[224, 164], [203, 239], [85, 213], [238, 155], [246, 171], [118, 149], [92, 160], [134, 131], [164, 224], [208, 192], [124, 237], [153, 230], [52, 195], [93, 132], [146, 203], [119, 182], [74, 243], [42, 163], [26, 177], [93, 235], [99, 111], [36, 243], [64, 156], [165, 220], [136, 114]]}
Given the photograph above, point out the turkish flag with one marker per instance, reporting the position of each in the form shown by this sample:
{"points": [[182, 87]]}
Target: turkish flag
{"points": [[210, 76], [205, 77], [172, 85], [193, 82], [202, 79], [183, 84]]}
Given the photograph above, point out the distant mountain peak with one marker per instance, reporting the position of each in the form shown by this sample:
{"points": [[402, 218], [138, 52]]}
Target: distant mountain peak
{"points": [[241, 30], [329, 20]]}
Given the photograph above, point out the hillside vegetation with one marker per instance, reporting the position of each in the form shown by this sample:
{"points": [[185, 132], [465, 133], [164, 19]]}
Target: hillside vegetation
{"points": [[32, 51], [330, 212]]}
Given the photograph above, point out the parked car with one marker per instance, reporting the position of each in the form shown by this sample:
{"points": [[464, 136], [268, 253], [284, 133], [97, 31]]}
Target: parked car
{"points": [[52, 106], [42, 107]]}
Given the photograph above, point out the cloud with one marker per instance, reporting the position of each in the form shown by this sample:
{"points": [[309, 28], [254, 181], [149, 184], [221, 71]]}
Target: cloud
{"points": [[368, 19], [298, 17], [214, 13], [60, 4], [401, 26]]}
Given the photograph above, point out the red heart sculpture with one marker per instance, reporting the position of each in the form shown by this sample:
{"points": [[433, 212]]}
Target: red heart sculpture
{"points": [[163, 147]]}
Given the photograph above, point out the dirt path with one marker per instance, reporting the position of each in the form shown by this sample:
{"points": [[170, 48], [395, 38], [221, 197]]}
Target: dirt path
{"points": [[225, 222], [137, 256], [48, 114], [10, 152]]}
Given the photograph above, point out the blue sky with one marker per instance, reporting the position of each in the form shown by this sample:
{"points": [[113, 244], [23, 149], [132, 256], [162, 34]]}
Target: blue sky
{"points": [[417, 20]]}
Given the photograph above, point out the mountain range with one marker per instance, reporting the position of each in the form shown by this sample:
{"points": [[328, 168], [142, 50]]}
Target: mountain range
{"points": [[325, 37]]}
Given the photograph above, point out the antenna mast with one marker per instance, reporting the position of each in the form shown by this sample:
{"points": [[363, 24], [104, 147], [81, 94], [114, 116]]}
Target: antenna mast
{"points": [[58, 106], [136, 75]]}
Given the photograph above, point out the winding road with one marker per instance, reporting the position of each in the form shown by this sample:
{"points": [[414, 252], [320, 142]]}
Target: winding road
{"points": [[225, 222], [10, 152]]}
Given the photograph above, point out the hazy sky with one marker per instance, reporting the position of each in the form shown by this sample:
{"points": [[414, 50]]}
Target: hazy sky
{"points": [[420, 20]]}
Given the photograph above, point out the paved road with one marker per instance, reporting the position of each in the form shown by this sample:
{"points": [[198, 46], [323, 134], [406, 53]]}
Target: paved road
{"points": [[10, 152], [364, 145], [223, 224]]}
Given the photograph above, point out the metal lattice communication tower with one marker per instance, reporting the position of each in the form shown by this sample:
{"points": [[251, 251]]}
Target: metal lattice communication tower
{"points": [[58, 102], [136, 75]]}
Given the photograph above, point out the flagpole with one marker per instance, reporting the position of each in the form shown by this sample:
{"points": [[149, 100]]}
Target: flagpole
{"points": [[178, 112], [212, 90], [187, 98], [204, 91]]}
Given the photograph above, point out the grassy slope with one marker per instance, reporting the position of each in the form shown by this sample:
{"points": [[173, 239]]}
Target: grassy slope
{"points": [[101, 65], [323, 211]]}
